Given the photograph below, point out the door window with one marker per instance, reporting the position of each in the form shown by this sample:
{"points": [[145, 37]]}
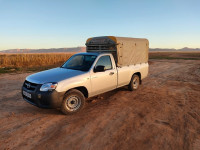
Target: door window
{"points": [[104, 61]]}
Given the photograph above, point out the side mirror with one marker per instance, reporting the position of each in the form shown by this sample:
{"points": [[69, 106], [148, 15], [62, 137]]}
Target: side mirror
{"points": [[99, 69]]}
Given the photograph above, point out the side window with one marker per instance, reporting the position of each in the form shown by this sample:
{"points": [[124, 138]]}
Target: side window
{"points": [[104, 61]]}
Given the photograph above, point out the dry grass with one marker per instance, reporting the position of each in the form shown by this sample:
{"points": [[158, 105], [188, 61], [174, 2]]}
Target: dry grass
{"points": [[49, 59], [175, 55], [33, 60], [38, 62]]}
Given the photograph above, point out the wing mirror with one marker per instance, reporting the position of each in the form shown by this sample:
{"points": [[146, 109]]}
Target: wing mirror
{"points": [[99, 68]]}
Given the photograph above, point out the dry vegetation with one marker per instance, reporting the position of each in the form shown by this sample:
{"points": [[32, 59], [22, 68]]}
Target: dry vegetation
{"points": [[37, 62], [175, 55], [19, 62], [30, 60]]}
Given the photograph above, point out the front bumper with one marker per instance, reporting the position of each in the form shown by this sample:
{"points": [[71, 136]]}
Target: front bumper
{"points": [[49, 99]]}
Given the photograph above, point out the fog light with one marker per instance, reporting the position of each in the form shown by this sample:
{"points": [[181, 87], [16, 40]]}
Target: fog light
{"points": [[39, 95]]}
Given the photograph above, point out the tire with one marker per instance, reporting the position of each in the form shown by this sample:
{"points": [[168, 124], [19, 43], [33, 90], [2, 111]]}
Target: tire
{"points": [[73, 102], [134, 83]]}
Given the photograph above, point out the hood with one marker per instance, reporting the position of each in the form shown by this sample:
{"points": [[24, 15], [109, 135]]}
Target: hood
{"points": [[53, 75]]}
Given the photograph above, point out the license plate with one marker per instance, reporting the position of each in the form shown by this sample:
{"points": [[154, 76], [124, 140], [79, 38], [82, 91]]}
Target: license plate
{"points": [[26, 94]]}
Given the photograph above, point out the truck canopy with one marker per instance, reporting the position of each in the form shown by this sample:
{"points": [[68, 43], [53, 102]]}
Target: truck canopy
{"points": [[126, 51]]}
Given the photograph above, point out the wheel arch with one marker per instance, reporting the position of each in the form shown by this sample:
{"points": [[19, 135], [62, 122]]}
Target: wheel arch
{"points": [[82, 89]]}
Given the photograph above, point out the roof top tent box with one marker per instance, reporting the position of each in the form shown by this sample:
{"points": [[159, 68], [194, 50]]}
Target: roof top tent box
{"points": [[126, 51]]}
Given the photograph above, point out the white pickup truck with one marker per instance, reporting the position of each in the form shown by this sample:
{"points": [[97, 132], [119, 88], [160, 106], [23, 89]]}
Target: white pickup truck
{"points": [[109, 63]]}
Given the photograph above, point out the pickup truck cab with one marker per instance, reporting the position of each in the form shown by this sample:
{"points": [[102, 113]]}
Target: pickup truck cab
{"points": [[82, 76]]}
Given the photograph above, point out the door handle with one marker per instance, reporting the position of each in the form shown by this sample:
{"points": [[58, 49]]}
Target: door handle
{"points": [[94, 77], [111, 73]]}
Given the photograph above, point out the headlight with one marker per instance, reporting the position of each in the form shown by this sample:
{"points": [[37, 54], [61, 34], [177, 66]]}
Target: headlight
{"points": [[48, 86]]}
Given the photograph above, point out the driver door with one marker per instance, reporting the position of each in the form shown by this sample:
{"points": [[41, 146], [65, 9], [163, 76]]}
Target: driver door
{"points": [[104, 81]]}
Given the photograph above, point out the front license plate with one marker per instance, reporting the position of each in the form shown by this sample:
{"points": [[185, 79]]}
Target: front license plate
{"points": [[26, 94]]}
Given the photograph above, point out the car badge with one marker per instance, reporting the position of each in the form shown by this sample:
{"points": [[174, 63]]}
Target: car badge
{"points": [[28, 85]]}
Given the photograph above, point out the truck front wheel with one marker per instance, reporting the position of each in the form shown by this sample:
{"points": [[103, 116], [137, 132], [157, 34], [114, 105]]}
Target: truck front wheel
{"points": [[134, 83], [73, 102]]}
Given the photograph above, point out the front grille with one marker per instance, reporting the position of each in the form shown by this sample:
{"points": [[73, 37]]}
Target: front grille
{"points": [[30, 86]]}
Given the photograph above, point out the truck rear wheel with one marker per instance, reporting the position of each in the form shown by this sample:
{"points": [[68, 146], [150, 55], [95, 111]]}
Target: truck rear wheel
{"points": [[134, 83], [73, 102]]}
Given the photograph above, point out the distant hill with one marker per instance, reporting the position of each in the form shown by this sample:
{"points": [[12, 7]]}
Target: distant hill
{"points": [[52, 50], [185, 49], [83, 49]]}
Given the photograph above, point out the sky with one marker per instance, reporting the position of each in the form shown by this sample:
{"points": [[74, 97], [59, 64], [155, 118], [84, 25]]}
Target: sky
{"points": [[68, 23]]}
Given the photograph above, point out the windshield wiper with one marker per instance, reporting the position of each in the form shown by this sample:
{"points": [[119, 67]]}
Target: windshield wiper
{"points": [[63, 67]]}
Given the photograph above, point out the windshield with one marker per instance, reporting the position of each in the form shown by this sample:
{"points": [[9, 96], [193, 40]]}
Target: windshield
{"points": [[80, 62]]}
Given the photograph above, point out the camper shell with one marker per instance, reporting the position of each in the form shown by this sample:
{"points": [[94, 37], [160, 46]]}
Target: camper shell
{"points": [[126, 51]]}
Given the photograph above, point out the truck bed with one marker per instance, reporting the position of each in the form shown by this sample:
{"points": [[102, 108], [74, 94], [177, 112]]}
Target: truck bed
{"points": [[125, 73]]}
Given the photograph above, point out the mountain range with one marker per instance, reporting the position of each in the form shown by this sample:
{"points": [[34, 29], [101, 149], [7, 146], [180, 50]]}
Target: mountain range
{"points": [[51, 50], [185, 49], [83, 49]]}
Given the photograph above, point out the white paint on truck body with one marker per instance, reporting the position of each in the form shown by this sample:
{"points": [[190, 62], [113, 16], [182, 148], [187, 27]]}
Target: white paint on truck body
{"points": [[99, 82], [131, 58]]}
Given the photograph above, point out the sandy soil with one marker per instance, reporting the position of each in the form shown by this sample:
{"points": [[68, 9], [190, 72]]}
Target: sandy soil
{"points": [[164, 113]]}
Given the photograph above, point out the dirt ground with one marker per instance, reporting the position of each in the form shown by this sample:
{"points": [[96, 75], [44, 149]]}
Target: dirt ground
{"points": [[164, 113]]}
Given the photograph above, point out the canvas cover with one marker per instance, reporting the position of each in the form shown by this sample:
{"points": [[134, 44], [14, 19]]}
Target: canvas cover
{"points": [[127, 51]]}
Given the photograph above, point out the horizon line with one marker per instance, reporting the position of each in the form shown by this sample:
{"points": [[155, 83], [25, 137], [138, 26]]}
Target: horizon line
{"points": [[85, 47]]}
